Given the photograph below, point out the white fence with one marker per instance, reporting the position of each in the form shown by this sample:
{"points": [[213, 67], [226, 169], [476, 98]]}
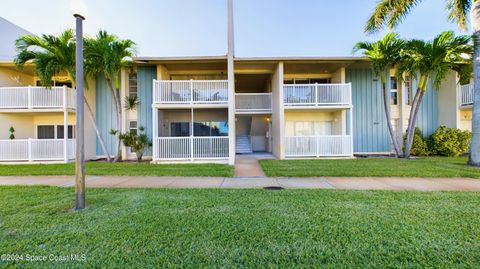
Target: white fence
{"points": [[190, 148], [36, 97], [317, 94], [467, 94], [253, 102], [190, 92], [319, 146], [36, 150]]}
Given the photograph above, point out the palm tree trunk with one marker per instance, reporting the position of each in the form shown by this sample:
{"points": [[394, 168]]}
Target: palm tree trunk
{"points": [[389, 121], [412, 120], [474, 158], [99, 135], [118, 110]]}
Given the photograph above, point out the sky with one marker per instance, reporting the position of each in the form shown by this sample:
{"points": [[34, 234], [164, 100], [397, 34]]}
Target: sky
{"points": [[164, 28]]}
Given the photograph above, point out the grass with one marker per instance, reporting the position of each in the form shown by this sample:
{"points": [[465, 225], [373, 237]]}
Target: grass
{"points": [[119, 169], [145, 228], [372, 167]]}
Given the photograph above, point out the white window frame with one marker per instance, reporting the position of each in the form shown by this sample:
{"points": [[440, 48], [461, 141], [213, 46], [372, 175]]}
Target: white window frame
{"points": [[392, 90]]}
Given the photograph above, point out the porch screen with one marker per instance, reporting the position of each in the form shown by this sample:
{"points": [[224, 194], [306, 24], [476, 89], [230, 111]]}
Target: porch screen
{"points": [[308, 128]]}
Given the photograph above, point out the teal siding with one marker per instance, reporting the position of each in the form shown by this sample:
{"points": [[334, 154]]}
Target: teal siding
{"points": [[145, 77], [370, 133], [105, 115], [427, 119]]}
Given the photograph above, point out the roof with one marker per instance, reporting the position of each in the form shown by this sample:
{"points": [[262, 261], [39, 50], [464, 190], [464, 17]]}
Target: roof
{"points": [[249, 59], [9, 32]]}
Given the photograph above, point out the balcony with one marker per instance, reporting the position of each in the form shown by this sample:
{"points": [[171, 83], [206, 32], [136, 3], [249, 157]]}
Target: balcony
{"points": [[253, 103], [36, 98], [178, 93], [319, 146], [190, 148], [18, 150], [466, 95], [317, 95]]}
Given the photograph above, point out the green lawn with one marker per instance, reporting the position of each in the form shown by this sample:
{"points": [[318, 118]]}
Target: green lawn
{"points": [[143, 228], [119, 169], [372, 167]]}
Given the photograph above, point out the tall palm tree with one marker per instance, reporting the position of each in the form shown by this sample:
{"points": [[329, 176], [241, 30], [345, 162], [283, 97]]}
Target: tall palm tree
{"points": [[107, 55], [384, 54], [52, 55], [391, 12], [432, 60]]}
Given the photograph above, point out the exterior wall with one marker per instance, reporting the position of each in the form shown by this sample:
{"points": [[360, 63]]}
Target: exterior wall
{"points": [[448, 101], [22, 123], [370, 134], [465, 121], [427, 119], [339, 76], [90, 134], [13, 78], [258, 133], [145, 77], [105, 115], [278, 122]]}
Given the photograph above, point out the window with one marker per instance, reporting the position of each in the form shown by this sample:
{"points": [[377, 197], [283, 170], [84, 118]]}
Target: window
{"points": [[132, 84], [60, 129], [56, 83], [393, 91], [45, 132], [408, 91], [133, 126], [308, 128], [211, 128], [179, 129], [54, 131], [307, 81]]}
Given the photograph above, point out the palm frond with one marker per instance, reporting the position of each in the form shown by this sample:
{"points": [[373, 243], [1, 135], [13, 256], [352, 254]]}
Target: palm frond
{"points": [[389, 13], [458, 11]]}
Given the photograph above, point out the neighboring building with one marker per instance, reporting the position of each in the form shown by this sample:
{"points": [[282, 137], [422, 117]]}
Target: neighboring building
{"points": [[290, 107]]}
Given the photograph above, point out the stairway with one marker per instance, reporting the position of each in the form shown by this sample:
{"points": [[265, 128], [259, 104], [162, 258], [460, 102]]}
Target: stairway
{"points": [[243, 144]]}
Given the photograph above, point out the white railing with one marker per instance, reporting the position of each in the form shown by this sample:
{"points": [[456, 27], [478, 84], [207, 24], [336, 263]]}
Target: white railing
{"points": [[319, 146], [317, 94], [36, 97], [467, 94], [190, 91], [190, 148], [36, 150], [253, 102]]}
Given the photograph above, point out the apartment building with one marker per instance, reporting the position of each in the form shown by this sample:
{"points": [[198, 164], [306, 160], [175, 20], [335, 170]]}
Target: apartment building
{"points": [[196, 109]]}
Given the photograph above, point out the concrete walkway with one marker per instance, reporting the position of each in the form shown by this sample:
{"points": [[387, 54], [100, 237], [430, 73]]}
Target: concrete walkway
{"points": [[367, 183], [247, 166]]}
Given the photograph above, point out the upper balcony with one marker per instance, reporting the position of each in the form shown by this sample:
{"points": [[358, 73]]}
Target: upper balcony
{"points": [[36, 99], [466, 95], [253, 103], [317, 95], [198, 93]]}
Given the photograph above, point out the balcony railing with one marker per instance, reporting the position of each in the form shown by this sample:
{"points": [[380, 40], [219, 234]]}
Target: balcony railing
{"points": [[317, 95], [37, 150], [253, 102], [190, 148], [467, 94], [190, 92], [319, 146], [37, 98]]}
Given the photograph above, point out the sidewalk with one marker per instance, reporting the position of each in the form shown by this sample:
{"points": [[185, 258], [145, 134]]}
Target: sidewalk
{"points": [[366, 183]]}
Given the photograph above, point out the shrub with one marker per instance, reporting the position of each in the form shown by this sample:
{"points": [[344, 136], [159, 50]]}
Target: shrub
{"points": [[419, 145], [449, 141], [138, 142]]}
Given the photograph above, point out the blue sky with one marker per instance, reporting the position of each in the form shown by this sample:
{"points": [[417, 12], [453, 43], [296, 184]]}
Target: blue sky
{"points": [[198, 27]]}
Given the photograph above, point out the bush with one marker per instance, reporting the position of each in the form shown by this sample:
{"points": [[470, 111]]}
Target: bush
{"points": [[419, 145], [449, 141]]}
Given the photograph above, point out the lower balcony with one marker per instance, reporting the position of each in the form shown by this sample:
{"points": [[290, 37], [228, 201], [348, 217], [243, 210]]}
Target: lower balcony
{"points": [[319, 146], [190, 148], [37, 150]]}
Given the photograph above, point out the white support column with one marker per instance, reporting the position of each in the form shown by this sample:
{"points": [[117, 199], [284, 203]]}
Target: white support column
{"points": [[191, 134], [125, 118], [231, 85], [65, 125], [155, 132]]}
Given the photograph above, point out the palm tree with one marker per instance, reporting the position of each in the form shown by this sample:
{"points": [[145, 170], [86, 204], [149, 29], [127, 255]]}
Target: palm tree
{"points": [[51, 56], [108, 55], [432, 60], [384, 54], [391, 12]]}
